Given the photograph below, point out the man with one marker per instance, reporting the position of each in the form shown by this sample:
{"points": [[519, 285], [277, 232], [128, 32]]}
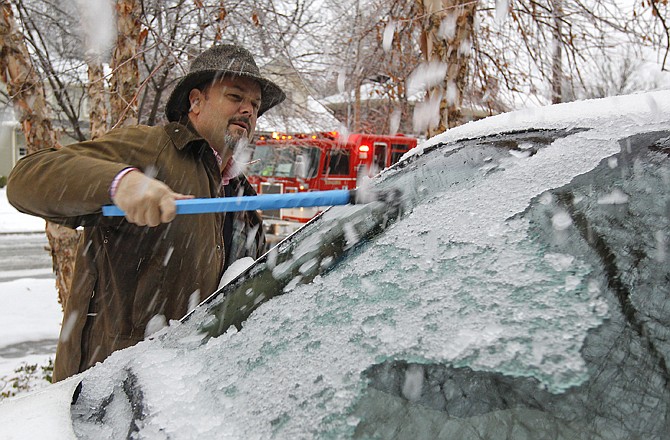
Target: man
{"points": [[134, 274]]}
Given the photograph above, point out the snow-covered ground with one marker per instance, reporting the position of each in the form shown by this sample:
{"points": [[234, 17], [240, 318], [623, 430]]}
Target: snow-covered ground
{"points": [[30, 310], [13, 222]]}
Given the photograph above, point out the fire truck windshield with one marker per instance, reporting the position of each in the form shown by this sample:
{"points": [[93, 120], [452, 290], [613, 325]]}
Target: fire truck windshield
{"points": [[285, 160]]}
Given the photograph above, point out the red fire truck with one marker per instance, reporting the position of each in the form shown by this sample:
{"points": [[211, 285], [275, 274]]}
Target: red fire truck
{"points": [[318, 162]]}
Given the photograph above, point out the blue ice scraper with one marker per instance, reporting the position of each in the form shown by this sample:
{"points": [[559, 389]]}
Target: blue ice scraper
{"points": [[274, 201]]}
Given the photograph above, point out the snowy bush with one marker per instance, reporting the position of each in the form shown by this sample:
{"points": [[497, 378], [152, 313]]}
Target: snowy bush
{"points": [[28, 377]]}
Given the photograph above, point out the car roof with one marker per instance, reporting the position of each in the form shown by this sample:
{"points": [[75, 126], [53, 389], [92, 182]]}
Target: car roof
{"points": [[613, 115]]}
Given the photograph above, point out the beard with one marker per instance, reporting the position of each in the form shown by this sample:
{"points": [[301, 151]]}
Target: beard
{"points": [[238, 145], [231, 141]]}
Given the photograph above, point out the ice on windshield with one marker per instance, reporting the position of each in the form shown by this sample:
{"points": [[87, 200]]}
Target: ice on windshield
{"points": [[460, 280]]}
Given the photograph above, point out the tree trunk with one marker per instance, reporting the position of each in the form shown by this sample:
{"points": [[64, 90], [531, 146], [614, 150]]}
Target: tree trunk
{"points": [[97, 112], [23, 85], [557, 56], [63, 244], [357, 108], [27, 94], [446, 36], [125, 68]]}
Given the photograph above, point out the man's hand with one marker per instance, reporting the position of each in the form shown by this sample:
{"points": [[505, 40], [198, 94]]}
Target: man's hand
{"points": [[146, 201]]}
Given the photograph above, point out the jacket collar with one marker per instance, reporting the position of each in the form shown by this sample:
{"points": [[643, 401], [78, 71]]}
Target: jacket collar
{"points": [[183, 133]]}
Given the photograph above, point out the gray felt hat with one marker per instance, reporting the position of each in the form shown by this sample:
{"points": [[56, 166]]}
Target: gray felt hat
{"points": [[217, 62]]}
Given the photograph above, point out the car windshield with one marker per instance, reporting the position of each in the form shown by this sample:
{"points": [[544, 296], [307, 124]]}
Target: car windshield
{"points": [[285, 160], [519, 292]]}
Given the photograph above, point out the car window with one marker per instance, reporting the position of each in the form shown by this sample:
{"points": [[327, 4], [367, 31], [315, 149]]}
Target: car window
{"points": [[488, 300]]}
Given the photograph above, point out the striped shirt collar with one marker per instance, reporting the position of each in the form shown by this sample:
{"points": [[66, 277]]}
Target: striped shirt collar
{"points": [[230, 171]]}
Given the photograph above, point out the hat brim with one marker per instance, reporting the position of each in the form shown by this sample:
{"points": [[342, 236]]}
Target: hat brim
{"points": [[178, 103]]}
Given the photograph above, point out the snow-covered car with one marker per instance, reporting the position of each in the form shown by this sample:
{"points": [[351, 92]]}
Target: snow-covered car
{"points": [[520, 290]]}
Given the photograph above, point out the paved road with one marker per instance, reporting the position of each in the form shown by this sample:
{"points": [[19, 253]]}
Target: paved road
{"points": [[24, 256]]}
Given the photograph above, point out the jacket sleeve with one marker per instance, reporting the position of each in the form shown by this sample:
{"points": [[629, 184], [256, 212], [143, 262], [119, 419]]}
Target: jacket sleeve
{"points": [[70, 185]]}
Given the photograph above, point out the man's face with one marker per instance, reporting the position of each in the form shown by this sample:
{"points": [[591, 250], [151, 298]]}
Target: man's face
{"points": [[226, 112]]}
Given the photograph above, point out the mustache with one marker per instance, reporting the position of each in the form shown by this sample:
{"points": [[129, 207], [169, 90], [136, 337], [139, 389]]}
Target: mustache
{"points": [[243, 119]]}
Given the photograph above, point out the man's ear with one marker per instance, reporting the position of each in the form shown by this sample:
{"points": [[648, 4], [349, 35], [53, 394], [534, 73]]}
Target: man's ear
{"points": [[194, 98]]}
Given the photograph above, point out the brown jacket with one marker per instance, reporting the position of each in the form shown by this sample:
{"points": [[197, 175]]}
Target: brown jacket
{"points": [[125, 275]]}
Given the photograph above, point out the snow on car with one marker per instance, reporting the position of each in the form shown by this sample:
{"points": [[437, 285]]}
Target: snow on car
{"points": [[518, 290]]}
